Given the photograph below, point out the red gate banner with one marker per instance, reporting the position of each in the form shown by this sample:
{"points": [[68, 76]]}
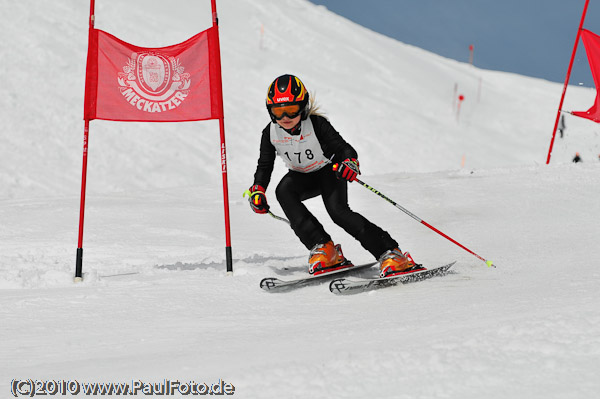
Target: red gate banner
{"points": [[591, 42], [167, 84]]}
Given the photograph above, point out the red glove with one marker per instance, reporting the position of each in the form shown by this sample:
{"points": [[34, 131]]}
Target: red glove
{"points": [[347, 170], [258, 199]]}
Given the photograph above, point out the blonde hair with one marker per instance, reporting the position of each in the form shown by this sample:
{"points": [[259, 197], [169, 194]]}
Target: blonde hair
{"points": [[313, 108]]}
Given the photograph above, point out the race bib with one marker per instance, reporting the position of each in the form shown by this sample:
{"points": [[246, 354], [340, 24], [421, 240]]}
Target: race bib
{"points": [[301, 153]]}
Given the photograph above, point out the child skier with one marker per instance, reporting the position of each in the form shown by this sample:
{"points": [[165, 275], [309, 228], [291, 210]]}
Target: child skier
{"points": [[308, 143]]}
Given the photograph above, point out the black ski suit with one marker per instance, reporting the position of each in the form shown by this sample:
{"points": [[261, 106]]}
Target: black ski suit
{"points": [[296, 187]]}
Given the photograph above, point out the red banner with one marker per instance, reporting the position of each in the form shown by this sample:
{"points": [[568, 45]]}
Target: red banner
{"points": [[168, 84], [591, 42]]}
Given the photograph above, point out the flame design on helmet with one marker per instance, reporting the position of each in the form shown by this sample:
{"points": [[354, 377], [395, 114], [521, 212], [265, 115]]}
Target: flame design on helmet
{"points": [[287, 90]]}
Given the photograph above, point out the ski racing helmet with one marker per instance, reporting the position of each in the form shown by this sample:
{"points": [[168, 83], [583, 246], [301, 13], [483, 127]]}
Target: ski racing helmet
{"points": [[287, 96]]}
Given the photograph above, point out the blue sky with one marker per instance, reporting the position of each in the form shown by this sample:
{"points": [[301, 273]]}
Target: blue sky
{"points": [[528, 37]]}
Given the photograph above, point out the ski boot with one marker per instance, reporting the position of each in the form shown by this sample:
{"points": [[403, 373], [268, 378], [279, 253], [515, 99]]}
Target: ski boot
{"points": [[326, 258], [394, 263]]}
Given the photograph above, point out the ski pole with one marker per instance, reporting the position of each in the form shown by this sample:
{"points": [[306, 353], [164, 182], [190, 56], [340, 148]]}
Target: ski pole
{"points": [[247, 192], [412, 215], [278, 217]]}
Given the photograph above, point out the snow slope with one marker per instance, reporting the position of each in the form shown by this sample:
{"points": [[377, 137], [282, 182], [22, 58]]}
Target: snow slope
{"points": [[156, 303]]}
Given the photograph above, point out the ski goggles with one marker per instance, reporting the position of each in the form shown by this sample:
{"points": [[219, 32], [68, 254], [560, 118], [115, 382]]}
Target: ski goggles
{"points": [[291, 111]]}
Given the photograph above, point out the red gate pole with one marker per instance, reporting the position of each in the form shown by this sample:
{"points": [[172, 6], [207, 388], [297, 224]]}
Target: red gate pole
{"points": [[562, 98], [86, 134], [228, 255], [79, 260], [471, 48]]}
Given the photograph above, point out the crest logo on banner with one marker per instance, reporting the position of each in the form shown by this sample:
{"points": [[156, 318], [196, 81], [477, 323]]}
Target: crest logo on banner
{"points": [[152, 82]]}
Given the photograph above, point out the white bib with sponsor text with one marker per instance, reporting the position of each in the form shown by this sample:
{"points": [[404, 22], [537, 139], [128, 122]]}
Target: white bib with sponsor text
{"points": [[301, 153]]}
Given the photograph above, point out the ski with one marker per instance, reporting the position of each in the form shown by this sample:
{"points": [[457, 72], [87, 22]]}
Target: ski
{"points": [[344, 286], [273, 284]]}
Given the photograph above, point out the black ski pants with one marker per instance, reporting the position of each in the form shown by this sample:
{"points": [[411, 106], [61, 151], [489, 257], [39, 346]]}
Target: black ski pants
{"points": [[296, 187]]}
